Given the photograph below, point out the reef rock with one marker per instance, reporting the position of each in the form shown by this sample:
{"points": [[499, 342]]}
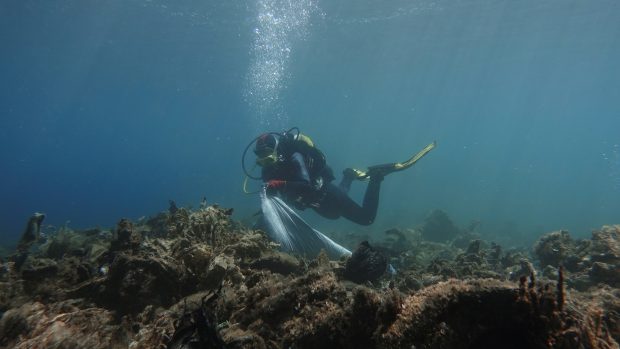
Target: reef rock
{"points": [[59, 325], [605, 273], [32, 233], [365, 264], [605, 245], [490, 314], [589, 262], [201, 281], [554, 248], [439, 227]]}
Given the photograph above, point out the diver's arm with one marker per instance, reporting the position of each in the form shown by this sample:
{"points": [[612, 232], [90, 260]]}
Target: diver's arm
{"points": [[300, 183], [301, 164]]}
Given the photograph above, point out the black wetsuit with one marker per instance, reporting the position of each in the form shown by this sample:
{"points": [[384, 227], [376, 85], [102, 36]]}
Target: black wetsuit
{"points": [[314, 188]]}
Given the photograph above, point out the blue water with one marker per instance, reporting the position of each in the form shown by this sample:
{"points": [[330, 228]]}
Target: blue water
{"points": [[111, 108]]}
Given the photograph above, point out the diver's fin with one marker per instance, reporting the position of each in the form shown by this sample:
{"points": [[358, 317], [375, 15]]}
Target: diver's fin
{"points": [[384, 169], [416, 157]]}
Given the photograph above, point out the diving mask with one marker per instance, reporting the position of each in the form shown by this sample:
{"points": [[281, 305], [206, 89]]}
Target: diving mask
{"points": [[266, 149], [268, 159]]}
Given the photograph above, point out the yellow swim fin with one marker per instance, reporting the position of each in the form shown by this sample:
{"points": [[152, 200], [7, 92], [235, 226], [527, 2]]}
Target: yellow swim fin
{"points": [[385, 169], [403, 165]]}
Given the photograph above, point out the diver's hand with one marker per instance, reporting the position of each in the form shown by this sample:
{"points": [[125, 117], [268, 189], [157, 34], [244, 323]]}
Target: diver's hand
{"points": [[274, 185]]}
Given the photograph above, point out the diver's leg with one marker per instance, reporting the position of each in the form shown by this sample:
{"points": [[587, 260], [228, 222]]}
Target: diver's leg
{"points": [[348, 176], [330, 206], [337, 203], [368, 212], [345, 183]]}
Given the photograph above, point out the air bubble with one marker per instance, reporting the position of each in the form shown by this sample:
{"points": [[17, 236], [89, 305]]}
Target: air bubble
{"points": [[280, 23]]}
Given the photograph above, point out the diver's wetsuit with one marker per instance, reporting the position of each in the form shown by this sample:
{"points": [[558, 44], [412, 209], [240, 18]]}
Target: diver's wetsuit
{"points": [[303, 189]]}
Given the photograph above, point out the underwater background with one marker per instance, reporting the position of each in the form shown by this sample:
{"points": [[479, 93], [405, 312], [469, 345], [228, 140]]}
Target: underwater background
{"points": [[111, 108]]}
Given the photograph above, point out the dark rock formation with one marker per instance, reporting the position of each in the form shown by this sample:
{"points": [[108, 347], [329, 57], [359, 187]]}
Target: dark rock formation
{"points": [[439, 227], [31, 233], [366, 264]]}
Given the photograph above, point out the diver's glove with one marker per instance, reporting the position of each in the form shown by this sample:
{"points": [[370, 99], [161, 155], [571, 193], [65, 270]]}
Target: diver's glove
{"points": [[274, 185]]}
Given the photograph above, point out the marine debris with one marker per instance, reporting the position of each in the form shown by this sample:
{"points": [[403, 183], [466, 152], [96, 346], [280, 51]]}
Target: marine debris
{"points": [[196, 279]]}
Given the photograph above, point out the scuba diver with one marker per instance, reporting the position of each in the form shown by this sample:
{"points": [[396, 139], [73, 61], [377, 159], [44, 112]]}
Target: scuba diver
{"points": [[294, 168]]}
